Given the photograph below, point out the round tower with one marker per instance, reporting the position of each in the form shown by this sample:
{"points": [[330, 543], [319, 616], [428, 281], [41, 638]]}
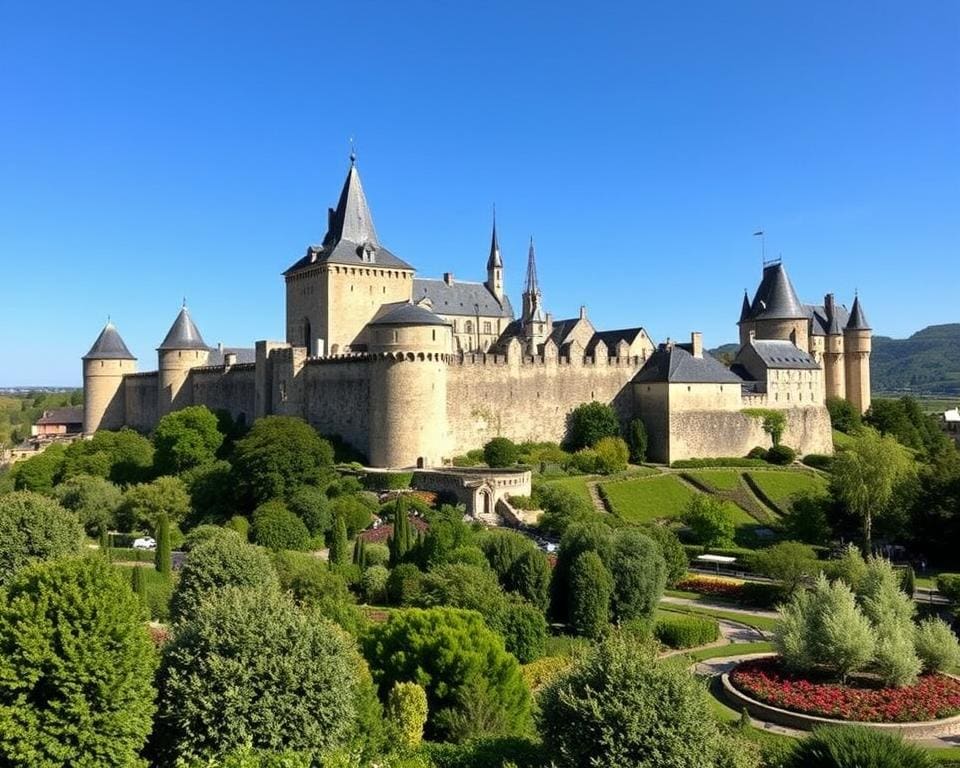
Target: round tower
{"points": [[775, 312], [409, 348], [834, 374], [104, 367], [183, 348], [857, 344]]}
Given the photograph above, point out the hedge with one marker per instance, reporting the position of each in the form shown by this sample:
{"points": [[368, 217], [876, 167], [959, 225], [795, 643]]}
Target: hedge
{"points": [[386, 481], [729, 461], [818, 461], [680, 631]]}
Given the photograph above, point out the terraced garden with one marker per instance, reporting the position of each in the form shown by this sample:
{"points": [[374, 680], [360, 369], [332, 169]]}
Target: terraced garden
{"points": [[643, 500], [780, 487]]}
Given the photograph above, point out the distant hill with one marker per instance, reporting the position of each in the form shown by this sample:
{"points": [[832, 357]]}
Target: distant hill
{"points": [[927, 363]]}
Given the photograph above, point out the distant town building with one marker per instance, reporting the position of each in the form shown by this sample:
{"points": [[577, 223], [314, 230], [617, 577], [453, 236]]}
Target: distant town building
{"points": [[59, 422]]}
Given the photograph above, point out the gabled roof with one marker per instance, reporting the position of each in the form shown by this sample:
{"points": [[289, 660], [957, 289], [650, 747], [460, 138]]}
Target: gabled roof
{"points": [[183, 334], [675, 363], [73, 415], [351, 236], [461, 298], [613, 338], [775, 298], [561, 330], [780, 354], [244, 355], [821, 324], [109, 346], [858, 320], [405, 313]]}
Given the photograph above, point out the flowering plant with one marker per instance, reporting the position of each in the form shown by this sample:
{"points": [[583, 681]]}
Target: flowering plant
{"points": [[930, 698], [710, 585]]}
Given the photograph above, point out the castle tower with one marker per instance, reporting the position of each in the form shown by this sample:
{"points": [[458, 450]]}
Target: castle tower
{"points": [[834, 375], [409, 348], [495, 265], [104, 367], [183, 348], [776, 312], [533, 322], [857, 345]]}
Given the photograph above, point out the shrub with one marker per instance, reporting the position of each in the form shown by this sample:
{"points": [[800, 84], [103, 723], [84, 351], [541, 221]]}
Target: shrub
{"points": [[844, 417], [612, 454], [94, 500], [789, 562], [250, 668], [948, 584], [461, 664], [311, 505], [462, 586], [276, 527], [591, 588], [851, 746], [818, 461], [143, 504], [407, 710], [500, 452], [677, 630], [639, 575], [524, 630], [163, 560], [619, 706], [672, 551], [637, 440], [937, 646], [502, 549], [32, 528], [561, 507], [529, 577], [204, 533], [590, 422], [757, 452], [585, 461], [221, 562], [339, 548], [376, 554], [186, 438], [312, 583], [386, 481], [374, 583], [578, 538], [708, 520], [890, 612], [782, 455], [355, 511], [240, 524], [76, 671]]}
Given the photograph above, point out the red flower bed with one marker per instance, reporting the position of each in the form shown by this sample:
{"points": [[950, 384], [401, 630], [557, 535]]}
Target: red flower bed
{"points": [[931, 698], [708, 585]]}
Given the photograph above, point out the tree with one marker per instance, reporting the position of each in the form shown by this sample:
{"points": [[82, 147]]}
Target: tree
{"points": [[123, 457], [936, 645], [94, 500], [186, 438], [578, 538], [278, 455], [311, 505], [612, 454], [590, 591], [76, 671], [843, 416], [619, 706], [139, 585], [674, 555], [500, 452], [143, 504], [502, 549], [276, 527], [404, 584], [529, 577], [163, 559], [407, 710], [221, 562], [843, 746], [461, 664], [789, 562], [400, 540], [355, 509], [637, 440], [561, 508], [850, 568], [639, 575], [805, 519], [312, 583], [865, 475], [590, 422], [339, 547], [524, 629], [250, 668], [33, 527], [774, 422], [212, 492], [40, 473], [708, 520], [890, 612]]}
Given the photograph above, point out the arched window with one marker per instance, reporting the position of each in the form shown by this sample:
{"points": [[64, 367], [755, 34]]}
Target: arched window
{"points": [[468, 326]]}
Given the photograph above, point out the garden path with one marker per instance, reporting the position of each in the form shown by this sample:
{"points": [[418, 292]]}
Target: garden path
{"points": [[718, 606]]}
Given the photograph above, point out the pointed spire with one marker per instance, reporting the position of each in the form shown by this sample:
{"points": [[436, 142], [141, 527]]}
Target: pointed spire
{"points": [[858, 320], [532, 287], [183, 334], [775, 298], [352, 220], [494, 261], [745, 309], [109, 346]]}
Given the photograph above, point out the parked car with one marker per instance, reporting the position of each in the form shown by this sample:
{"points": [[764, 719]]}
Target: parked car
{"points": [[145, 542]]}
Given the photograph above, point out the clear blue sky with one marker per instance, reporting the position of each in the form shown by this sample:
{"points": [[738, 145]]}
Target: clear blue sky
{"points": [[154, 150]]}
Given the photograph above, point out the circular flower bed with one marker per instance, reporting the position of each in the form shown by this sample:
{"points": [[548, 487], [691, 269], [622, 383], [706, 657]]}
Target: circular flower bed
{"points": [[931, 698]]}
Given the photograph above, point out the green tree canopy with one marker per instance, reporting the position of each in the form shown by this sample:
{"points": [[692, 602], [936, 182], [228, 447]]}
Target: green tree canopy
{"points": [[590, 590], [276, 527], [123, 457], [143, 504], [212, 492], [279, 454], [789, 562], [34, 527], [561, 508], [76, 669], [590, 422], [709, 521], [40, 473], [843, 416], [94, 500], [639, 575], [612, 455], [578, 538], [311, 505], [186, 438], [672, 550], [500, 452]]}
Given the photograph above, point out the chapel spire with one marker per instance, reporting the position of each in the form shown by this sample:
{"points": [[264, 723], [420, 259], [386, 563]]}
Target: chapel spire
{"points": [[532, 298], [351, 220], [495, 264]]}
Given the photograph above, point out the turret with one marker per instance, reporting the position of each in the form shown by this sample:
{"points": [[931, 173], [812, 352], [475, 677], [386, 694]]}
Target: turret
{"points": [[495, 265], [857, 344], [409, 347], [104, 367], [776, 312], [533, 322], [834, 375], [183, 348]]}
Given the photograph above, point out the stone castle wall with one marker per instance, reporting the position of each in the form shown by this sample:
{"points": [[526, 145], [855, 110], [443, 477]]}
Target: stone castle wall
{"points": [[141, 391], [232, 389], [336, 400]]}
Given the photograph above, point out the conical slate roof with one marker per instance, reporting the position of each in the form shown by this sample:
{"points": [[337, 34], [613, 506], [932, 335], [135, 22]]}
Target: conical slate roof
{"points": [[494, 261], [858, 320], [745, 309], [532, 286], [183, 334], [109, 346], [775, 298], [405, 313], [352, 219]]}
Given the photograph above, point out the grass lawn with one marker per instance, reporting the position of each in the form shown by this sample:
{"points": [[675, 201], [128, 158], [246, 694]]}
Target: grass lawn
{"points": [[780, 487], [646, 499], [841, 439], [733, 649], [576, 484], [762, 623], [717, 479]]}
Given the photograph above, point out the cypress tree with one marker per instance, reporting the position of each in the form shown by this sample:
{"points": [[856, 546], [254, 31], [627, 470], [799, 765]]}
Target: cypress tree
{"points": [[338, 547], [139, 584], [363, 553], [357, 545], [163, 559], [105, 543]]}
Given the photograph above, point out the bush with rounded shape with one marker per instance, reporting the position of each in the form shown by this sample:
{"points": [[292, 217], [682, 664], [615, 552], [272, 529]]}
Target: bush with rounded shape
{"points": [[404, 584], [529, 577], [612, 455], [709, 521], [561, 508], [590, 422], [782, 455], [376, 554], [677, 630], [500, 452], [355, 510], [240, 525], [34, 527], [250, 668], [143, 504], [94, 500], [524, 630], [374, 583], [619, 706], [467, 555], [936, 645], [585, 461], [461, 664], [461, 586], [674, 555], [311, 505], [186, 438], [276, 527], [591, 587], [204, 533], [312, 583], [578, 538], [212, 492], [854, 746], [788, 562], [407, 711], [502, 549], [279, 454], [221, 562], [639, 575], [76, 671]]}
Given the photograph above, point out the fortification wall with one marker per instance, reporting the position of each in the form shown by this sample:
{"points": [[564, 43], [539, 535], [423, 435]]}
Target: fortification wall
{"points": [[231, 389], [529, 398], [140, 399], [335, 398]]}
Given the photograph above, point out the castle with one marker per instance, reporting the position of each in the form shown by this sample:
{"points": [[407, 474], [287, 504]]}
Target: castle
{"points": [[412, 371]]}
